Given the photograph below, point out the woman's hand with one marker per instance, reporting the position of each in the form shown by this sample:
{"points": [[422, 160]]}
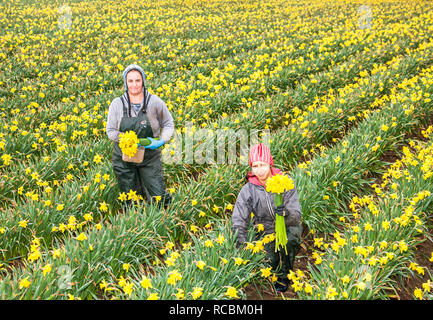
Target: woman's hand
{"points": [[154, 143], [279, 210]]}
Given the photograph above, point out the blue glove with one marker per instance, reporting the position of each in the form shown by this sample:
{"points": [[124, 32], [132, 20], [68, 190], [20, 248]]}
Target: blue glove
{"points": [[154, 143]]}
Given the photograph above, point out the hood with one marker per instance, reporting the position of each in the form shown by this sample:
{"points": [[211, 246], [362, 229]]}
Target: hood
{"points": [[254, 180], [133, 67]]}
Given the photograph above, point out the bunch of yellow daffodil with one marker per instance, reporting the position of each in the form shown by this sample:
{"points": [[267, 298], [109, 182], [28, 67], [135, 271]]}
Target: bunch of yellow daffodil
{"points": [[128, 143], [277, 184]]}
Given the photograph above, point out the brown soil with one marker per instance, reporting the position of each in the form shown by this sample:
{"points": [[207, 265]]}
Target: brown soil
{"points": [[423, 253]]}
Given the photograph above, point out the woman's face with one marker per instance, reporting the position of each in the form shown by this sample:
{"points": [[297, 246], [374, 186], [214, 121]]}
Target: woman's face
{"points": [[261, 169], [134, 82]]}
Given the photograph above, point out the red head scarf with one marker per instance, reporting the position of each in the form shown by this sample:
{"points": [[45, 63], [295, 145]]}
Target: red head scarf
{"points": [[260, 152]]}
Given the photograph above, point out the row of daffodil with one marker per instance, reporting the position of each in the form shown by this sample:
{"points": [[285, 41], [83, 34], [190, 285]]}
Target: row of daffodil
{"points": [[216, 70], [22, 144], [24, 221], [346, 176], [53, 151], [88, 252], [116, 33], [124, 248], [209, 266], [330, 180], [74, 131], [192, 203], [342, 111], [259, 78], [426, 290], [52, 201], [360, 41], [419, 156], [273, 111], [83, 237], [338, 173], [51, 114], [349, 177], [219, 184], [109, 51], [376, 247], [62, 127]]}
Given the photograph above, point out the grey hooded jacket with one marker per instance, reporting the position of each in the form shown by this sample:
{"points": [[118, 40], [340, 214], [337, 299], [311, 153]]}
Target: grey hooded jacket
{"points": [[159, 116], [253, 198]]}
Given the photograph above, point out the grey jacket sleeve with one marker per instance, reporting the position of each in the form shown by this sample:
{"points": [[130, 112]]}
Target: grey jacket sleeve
{"points": [[165, 120], [292, 207], [115, 111], [241, 214]]}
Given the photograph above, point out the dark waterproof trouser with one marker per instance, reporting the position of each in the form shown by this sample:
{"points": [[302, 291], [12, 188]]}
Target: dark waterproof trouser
{"points": [[280, 262], [147, 179]]}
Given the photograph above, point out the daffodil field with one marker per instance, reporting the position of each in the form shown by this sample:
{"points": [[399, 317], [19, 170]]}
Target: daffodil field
{"points": [[342, 87]]}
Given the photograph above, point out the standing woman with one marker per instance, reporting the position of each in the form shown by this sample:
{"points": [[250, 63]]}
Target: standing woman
{"points": [[148, 116], [253, 198]]}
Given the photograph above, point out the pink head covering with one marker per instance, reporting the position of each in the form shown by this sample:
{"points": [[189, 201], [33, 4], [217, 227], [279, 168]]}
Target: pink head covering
{"points": [[260, 152]]}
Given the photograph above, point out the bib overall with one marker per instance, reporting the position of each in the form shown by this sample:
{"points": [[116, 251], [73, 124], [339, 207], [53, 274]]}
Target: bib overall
{"points": [[146, 178]]}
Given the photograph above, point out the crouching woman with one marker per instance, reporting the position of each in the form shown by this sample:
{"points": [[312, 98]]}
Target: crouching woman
{"points": [[253, 198]]}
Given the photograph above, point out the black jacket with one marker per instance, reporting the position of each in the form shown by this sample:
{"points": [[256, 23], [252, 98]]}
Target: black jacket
{"points": [[253, 198]]}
